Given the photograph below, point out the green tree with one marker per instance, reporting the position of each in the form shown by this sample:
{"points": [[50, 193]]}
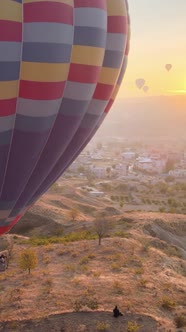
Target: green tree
{"points": [[28, 259]]}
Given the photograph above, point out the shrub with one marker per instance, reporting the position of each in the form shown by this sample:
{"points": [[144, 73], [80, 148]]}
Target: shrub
{"points": [[71, 237], [168, 303], [117, 287], [145, 245], [162, 209], [172, 251], [81, 328], [139, 270], [91, 256], [28, 260], [115, 267], [180, 321], [77, 305], [132, 327], [122, 234], [102, 326], [143, 282], [86, 300], [70, 268], [84, 260], [15, 295]]}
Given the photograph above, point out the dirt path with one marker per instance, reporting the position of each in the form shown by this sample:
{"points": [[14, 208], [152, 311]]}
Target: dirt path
{"points": [[81, 322]]}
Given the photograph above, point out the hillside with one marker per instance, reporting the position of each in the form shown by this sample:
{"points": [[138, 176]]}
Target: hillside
{"points": [[140, 266]]}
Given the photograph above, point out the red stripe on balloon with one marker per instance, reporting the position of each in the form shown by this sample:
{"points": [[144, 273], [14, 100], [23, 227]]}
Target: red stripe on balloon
{"points": [[89, 3], [48, 12], [117, 24], [109, 105], [41, 90], [103, 91], [10, 31], [7, 106], [84, 73], [5, 229]]}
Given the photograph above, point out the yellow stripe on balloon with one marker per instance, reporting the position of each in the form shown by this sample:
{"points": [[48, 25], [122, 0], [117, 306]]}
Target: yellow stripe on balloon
{"points": [[87, 55], [44, 72], [66, 2], [10, 11], [116, 8], [109, 75], [8, 89]]}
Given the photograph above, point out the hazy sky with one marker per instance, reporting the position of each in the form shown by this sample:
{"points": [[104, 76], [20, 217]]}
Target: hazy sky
{"points": [[158, 36]]}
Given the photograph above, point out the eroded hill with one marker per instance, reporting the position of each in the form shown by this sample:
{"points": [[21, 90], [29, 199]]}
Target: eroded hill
{"points": [[140, 266]]}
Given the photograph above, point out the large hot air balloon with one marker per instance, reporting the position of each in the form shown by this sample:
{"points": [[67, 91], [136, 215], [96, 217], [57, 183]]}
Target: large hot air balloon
{"points": [[61, 65], [140, 82], [168, 66]]}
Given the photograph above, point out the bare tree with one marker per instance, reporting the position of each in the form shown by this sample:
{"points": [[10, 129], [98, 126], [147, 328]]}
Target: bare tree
{"points": [[101, 227], [74, 213]]}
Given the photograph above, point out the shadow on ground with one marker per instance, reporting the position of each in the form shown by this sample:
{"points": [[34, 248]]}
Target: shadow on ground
{"points": [[81, 322]]}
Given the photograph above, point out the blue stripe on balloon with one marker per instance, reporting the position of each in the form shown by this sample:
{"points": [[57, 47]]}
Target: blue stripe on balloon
{"points": [[89, 36], [34, 124], [5, 138], [10, 51], [112, 59], [46, 52], [9, 71], [73, 107]]}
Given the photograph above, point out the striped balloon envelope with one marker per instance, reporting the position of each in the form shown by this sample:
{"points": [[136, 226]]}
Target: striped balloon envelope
{"points": [[61, 65]]}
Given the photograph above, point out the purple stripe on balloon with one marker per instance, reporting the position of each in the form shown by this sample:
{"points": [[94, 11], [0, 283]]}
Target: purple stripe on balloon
{"points": [[25, 150], [34, 124], [3, 159], [62, 133], [60, 166]]}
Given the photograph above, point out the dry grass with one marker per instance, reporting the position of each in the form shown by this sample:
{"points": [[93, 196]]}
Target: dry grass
{"points": [[137, 272], [112, 274]]}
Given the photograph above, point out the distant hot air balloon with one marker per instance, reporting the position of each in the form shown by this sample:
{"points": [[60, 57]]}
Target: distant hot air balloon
{"points": [[61, 66], [140, 82], [168, 66], [145, 88]]}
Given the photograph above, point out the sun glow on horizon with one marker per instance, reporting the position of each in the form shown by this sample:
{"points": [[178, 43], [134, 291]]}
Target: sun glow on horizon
{"points": [[178, 91]]}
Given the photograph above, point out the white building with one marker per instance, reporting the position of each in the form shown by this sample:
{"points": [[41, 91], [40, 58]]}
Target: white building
{"points": [[150, 164], [128, 155], [120, 170], [99, 171]]}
